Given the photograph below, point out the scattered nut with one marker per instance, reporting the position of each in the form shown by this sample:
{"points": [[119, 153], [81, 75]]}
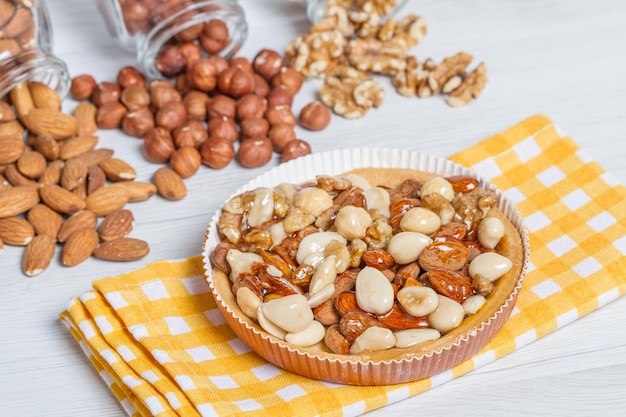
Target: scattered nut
{"points": [[315, 116]]}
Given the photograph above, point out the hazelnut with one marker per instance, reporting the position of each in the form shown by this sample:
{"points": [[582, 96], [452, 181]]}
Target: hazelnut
{"points": [[267, 63], [186, 161], [235, 82], [136, 15], [158, 83], [254, 153], [289, 78], [196, 104], [261, 87], [295, 149], [162, 94], [170, 61], [192, 133], [135, 97], [189, 34], [314, 116], [110, 115], [279, 96], [171, 115], [217, 152], [191, 51], [223, 127], [82, 87], [221, 105], [158, 145], [241, 62], [181, 83], [202, 75], [138, 122], [219, 61], [251, 105], [130, 75], [254, 127], [280, 135], [214, 36], [280, 114], [105, 92]]}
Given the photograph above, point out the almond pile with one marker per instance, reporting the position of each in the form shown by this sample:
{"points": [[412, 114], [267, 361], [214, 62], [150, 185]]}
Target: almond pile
{"points": [[57, 188]]}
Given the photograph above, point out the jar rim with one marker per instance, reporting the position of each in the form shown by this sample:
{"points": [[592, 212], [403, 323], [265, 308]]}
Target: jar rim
{"points": [[34, 64]]}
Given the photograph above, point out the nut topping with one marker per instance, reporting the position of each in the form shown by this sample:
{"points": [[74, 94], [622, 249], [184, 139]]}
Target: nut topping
{"points": [[317, 252]]}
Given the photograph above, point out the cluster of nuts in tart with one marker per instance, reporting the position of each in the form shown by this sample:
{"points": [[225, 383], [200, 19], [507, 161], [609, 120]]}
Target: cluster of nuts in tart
{"points": [[361, 267]]}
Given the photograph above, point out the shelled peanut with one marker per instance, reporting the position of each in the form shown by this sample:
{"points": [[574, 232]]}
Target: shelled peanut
{"points": [[215, 111], [58, 189]]}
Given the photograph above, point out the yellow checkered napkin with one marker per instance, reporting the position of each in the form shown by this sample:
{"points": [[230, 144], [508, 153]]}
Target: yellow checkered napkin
{"points": [[159, 342]]}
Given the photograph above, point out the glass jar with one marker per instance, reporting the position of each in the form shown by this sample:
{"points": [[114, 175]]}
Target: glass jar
{"points": [[315, 8], [26, 45], [147, 27]]}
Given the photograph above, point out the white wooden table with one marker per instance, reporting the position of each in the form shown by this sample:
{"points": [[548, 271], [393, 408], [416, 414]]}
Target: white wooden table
{"points": [[565, 59]]}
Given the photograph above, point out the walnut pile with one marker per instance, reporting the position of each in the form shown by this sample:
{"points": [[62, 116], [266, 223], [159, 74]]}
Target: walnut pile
{"points": [[360, 35]]}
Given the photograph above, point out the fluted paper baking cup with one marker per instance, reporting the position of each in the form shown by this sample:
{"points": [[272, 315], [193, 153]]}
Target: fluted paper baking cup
{"points": [[386, 367]]}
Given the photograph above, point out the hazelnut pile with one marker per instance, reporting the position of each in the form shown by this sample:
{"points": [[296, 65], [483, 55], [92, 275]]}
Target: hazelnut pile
{"points": [[215, 111]]}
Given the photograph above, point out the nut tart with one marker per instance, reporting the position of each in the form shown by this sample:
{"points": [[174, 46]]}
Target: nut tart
{"points": [[271, 274]]}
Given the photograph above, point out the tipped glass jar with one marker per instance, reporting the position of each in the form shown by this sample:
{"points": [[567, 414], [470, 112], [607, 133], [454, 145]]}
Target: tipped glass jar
{"points": [[315, 9], [164, 33], [26, 45]]}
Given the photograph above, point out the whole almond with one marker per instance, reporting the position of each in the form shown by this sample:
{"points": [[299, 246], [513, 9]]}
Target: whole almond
{"points": [[46, 145], [94, 157], [15, 177], [122, 249], [76, 146], [52, 174], [169, 184], [12, 128], [43, 96], [60, 199], [82, 220], [95, 178], [12, 148], [6, 112], [21, 22], [45, 221], [16, 231], [106, 200], [85, 114], [57, 124], [22, 99], [31, 164], [115, 225], [17, 200], [137, 190], [38, 255], [74, 172], [117, 170], [79, 246], [1, 246]]}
